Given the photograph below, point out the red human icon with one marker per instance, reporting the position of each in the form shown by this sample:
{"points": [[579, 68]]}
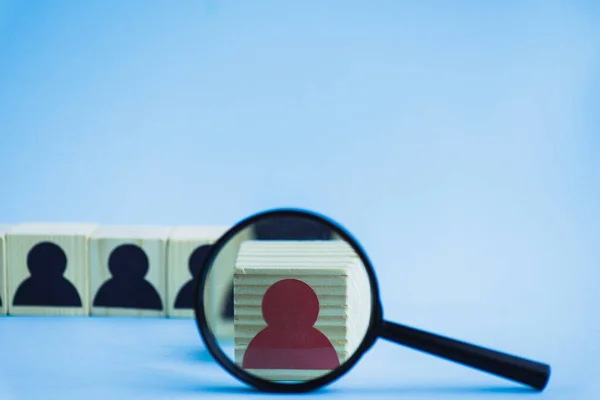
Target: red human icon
{"points": [[290, 308]]}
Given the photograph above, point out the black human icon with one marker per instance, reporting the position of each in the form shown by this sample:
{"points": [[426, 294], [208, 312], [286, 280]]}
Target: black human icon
{"points": [[185, 298], [291, 228], [47, 287], [128, 288]]}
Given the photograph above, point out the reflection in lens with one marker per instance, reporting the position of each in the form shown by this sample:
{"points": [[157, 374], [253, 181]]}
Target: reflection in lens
{"points": [[218, 295], [301, 307]]}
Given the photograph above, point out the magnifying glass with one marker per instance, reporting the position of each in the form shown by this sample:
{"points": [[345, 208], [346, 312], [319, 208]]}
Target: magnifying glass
{"points": [[306, 308]]}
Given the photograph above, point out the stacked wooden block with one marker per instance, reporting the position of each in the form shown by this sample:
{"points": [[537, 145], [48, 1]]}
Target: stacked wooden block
{"points": [[331, 268], [89, 269]]}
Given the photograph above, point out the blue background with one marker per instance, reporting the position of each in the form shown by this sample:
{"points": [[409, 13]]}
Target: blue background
{"points": [[457, 140]]}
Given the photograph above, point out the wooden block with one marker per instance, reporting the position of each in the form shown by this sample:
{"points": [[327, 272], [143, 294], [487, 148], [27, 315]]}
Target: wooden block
{"points": [[3, 298], [128, 270], [188, 248], [330, 268], [47, 269], [219, 290]]}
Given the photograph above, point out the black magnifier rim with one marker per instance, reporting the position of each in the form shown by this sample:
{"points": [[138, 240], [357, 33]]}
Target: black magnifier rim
{"points": [[210, 341]]}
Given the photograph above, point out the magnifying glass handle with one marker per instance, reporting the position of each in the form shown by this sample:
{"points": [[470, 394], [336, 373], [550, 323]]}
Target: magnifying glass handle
{"points": [[514, 368]]}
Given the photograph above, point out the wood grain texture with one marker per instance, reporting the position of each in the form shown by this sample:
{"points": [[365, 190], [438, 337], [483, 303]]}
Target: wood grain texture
{"points": [[220, 285], [184, 240], [3, 298], [331, 268], [125, 296], [72, 239]]}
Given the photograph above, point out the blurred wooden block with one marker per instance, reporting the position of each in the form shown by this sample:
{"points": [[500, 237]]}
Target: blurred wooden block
{"points": [[47, 269], [3, 298], [188, 248], [128, 270], [218, 296], [334, 272]]}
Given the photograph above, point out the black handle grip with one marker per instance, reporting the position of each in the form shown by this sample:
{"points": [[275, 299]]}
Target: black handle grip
{"points": [[517, 369]]}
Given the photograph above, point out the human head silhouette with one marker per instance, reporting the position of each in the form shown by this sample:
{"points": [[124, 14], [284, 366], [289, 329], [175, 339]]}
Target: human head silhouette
{"points": [[128, 261], [197, 259], [46, 259], [290, 304]]}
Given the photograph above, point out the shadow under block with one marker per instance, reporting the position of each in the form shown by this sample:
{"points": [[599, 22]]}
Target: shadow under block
{"points": [[331, 268], [47, 269], [188, 247], [3, 298], [219, 288], [128, 270]]}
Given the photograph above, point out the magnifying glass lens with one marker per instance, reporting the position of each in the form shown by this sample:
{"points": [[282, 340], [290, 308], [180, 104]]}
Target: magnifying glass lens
{"points": [[287, 301], [299, 297]]}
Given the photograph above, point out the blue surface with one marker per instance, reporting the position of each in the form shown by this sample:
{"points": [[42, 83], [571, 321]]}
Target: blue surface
{"points": [[459, 143], [121, 358]]}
